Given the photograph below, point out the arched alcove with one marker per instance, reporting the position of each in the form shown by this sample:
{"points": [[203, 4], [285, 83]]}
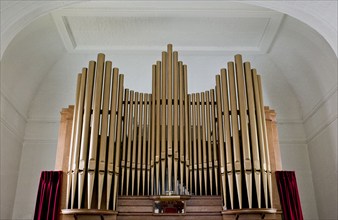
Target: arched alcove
{"points": [[299, 79]]}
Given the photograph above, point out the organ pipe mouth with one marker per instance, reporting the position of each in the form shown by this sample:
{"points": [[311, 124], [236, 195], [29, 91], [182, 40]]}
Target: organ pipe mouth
{"points": [[169, 142]]}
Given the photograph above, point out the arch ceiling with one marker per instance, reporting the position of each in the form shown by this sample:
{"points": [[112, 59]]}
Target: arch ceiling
{"points": [[252, 30], [293, 44]]}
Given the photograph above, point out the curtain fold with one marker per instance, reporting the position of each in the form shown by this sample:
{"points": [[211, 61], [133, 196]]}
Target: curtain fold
{"points": [[47, 205], [288, 193]]}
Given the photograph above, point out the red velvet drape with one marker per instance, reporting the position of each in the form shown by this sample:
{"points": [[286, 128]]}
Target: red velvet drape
{"points": [[47, 202], [288, 193]]}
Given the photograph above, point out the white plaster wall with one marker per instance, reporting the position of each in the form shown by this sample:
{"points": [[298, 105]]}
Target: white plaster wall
{"points": [[310, 67], [321, 128], [28, 58], [12, 132]]}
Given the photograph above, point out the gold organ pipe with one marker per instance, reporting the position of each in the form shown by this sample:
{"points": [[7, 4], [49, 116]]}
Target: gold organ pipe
{"points": [[194, 140], [139, 142], [146, 139], [187, 129], [85, 131], [181, 123], [244, 127], [126, 118], [170, 148], [169, 140], [220, 139], [176, 91], [253, 131], [266, 147], [158, 100], [130, 138], [214, 141], [208, 131], [204, 152], [163, 120], [104, 132], [73, 137], [235, 134], [260, 135], [78, 130], [227, 133], [134, 150], [153, 123], [94, 134], [118, 142], [199, 147], [112, 133]]}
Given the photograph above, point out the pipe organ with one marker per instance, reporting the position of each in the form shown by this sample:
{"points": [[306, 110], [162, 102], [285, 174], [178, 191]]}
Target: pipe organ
{"points": [[169, 142]]}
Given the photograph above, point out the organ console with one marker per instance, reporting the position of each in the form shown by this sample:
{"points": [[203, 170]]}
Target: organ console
{"points": [[215, 150]]}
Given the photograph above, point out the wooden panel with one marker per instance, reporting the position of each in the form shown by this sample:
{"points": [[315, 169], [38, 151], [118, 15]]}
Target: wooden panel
{"points": [[138, 209], [63, 150]]}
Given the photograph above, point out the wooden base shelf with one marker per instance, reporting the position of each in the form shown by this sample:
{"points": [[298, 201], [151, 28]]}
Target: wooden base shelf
{"points": [[252, 214], [84, 214], [196, 208], [87, 212]]}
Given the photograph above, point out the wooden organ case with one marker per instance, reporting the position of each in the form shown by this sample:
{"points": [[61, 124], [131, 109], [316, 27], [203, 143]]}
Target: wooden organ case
{"points": [[168, 154]]}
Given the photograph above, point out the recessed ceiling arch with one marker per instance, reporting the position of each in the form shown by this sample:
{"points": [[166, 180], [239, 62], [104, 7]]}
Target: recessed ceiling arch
{"points": [[322, 20]]}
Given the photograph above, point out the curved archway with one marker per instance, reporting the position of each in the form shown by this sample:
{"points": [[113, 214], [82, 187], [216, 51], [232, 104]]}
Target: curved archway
{"points": [[303, 79], [323, 19]]}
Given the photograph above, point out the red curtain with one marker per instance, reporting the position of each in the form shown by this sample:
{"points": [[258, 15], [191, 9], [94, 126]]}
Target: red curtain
{"points": [[47, 202], [288, 193]]}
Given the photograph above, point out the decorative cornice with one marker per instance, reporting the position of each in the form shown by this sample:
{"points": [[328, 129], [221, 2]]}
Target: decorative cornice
{"points": [[43, 141]]}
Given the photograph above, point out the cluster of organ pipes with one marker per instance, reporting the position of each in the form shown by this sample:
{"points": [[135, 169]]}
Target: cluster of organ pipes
{"points": [[168, 142]]}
